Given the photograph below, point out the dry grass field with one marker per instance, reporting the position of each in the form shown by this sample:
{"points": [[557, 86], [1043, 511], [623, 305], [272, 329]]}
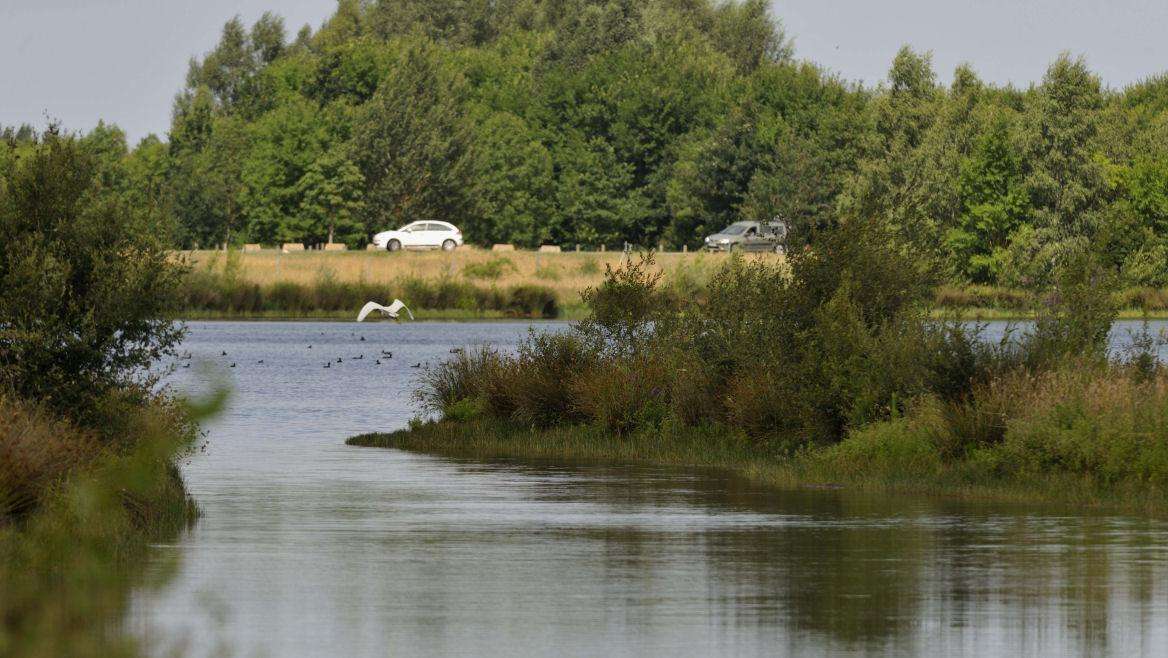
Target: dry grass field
{"points": [[567, 273]]}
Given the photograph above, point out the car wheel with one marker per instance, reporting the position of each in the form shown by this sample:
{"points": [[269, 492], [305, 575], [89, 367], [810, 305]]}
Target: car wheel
{"points": [[778, 249], [448, 245], [394, 245], [732, 248]]}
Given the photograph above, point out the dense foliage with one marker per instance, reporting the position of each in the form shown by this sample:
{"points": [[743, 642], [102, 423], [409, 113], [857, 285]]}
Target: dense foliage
{"points": [[610, 121], [85, 273]]}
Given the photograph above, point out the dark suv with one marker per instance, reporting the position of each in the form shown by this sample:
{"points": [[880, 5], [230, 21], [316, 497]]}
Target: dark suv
{"points": [[749, 236]]}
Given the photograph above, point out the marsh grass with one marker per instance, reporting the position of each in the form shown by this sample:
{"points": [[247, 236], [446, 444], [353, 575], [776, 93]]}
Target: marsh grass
{"points": [[87, 506], [212, 294], [566, 274], [254, 283]]}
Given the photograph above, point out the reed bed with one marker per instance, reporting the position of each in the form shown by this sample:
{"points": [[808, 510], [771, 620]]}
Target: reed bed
{"points": [[565, 274]]}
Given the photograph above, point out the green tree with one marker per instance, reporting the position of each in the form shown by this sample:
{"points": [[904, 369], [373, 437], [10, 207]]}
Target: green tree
{"points": [[330, 198], [85, 280], [595, 198], [1066, 182], [993, 204], [414, 143], [268, 38], [513, 178]]}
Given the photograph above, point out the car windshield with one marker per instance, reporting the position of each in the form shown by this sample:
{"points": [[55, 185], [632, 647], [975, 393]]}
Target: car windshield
{"points": [[735, 229]]}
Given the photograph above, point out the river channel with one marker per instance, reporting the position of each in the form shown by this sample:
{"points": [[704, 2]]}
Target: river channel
{"points": [[309, 547]]}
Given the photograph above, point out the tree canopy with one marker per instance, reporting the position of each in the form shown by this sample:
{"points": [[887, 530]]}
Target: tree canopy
{"points": [[651, 122]]}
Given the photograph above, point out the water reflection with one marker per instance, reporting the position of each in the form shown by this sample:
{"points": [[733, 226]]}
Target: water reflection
{"points": [[309, 547]]}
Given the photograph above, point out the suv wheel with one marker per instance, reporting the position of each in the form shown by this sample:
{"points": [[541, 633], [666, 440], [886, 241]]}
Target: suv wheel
{"points": [[394, 245], [448, 245]]}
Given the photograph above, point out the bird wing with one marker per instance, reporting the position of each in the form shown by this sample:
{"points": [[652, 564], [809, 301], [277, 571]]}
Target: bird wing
{"points": [[396, 308], [369, 308]]}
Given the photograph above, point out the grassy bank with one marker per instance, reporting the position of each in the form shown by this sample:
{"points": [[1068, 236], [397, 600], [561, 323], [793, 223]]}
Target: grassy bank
{"points": [[78, 510], [893, 457], [224, 295], [475, 284]]}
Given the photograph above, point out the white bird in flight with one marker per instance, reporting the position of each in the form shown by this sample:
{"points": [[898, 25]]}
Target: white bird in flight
{"points": [[391, 311]]}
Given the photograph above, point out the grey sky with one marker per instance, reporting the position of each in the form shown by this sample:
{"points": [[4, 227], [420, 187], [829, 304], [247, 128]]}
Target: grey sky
{"points": [[123, 60]]}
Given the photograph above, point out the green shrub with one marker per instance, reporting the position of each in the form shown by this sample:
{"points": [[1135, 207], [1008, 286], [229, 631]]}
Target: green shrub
{"points": [[36, 453], [623, 395], [540, 385], [1075, 317], [86, 280], [1082, 421], [588, 267], [887, 450], [624, 310], [490, 269], [464, 410], [547, 273], [467, 375], [532, 301]]}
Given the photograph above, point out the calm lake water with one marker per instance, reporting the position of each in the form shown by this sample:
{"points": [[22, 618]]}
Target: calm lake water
{"points": [[308, 547]]}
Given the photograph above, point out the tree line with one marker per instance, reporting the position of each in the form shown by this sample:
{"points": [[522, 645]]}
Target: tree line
{"points": [[654, 122]]}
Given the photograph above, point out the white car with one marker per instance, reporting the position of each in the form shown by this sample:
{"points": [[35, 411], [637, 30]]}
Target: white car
{"points": [[420, 235]]}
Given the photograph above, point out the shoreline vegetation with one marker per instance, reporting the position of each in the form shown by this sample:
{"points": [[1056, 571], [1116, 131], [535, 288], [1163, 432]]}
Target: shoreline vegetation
{"points": [[89, 441], [899, 465], [474, 284], [833, 371]]}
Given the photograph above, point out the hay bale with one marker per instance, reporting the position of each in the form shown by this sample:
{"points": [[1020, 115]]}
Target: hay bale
{"points": [[502, 247], [550, 249], [252, 247], [292, 246], [336, 246]]}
